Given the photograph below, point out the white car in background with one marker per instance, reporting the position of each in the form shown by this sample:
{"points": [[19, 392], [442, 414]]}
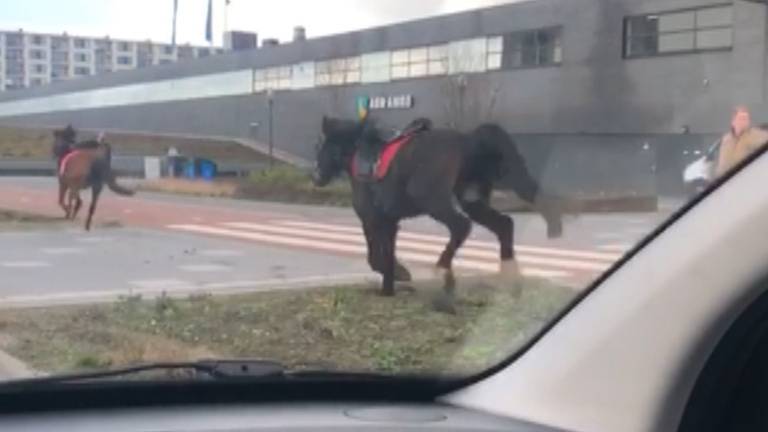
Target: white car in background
{"points": [[700, 173]]}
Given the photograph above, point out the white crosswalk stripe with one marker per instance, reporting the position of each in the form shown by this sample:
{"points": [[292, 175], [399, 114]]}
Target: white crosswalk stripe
{"points": [[553, 263]]}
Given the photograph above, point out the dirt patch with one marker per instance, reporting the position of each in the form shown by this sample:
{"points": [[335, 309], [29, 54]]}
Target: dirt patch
{"points": [[350, 328]]}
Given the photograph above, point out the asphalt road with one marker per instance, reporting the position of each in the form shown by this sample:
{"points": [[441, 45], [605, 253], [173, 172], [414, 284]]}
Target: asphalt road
{"points": [[183, 245]]}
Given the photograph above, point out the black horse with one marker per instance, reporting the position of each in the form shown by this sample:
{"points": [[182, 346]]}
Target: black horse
{"points": [[446, 174]]}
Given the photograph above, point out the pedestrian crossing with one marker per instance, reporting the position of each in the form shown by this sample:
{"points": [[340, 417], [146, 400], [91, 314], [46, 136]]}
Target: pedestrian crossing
{"points": [[412, 247]]}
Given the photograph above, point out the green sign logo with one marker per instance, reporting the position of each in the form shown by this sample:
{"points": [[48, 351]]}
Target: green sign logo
{"points": [[363, 103]]}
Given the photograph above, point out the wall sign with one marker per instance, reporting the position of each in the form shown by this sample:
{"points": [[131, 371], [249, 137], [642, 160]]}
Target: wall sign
{"points": [[391, 102]]}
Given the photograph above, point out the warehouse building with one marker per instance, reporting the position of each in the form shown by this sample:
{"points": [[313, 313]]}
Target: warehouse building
{"points": [[603, 96]]}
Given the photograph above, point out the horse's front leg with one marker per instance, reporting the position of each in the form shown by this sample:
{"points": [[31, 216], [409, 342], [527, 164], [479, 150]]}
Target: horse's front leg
{"points": [[375, 255], [387, 246]]}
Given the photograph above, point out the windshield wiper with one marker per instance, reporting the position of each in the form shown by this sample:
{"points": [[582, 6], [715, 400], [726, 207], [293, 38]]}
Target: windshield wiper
{"points": [[210, 369], [218, 369]]}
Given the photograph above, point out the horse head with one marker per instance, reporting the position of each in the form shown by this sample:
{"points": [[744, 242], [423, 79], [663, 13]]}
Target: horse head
{"points": [[335, 148]]}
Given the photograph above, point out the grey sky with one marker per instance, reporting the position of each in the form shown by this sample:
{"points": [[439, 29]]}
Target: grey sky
{"points": [[151, 19]]}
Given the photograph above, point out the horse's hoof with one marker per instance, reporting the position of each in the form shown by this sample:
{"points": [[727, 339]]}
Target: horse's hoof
{"points": [[444, 303], [406, 287], [509, 269], [402, 274]]}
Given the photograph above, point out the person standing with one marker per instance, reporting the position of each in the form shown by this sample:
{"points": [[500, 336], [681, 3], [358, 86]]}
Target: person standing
{"points": [[740, 142]]}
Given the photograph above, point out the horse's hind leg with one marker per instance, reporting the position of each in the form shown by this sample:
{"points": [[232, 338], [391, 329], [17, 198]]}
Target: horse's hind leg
{"points": [[503, 227], [459, 227], [62, 197], [71, 202], [96, 191], [78, 205]]}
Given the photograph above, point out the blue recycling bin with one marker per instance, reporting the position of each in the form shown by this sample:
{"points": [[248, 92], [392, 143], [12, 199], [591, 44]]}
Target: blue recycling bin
{"points": [[189, 169], [207, 169]]}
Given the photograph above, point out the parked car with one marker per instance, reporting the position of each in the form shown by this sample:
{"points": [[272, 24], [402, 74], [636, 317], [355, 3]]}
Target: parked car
{"points": [[700, 173]]}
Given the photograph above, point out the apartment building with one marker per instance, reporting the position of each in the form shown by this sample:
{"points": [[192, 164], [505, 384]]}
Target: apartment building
{"points": [[34, 59]]}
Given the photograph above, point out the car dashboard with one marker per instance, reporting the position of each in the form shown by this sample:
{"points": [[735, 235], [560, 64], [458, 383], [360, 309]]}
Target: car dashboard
{"points": [[269, 418]]}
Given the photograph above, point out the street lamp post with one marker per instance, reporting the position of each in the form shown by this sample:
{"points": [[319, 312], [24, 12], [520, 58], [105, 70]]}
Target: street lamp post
{"points": [[271, 107]]}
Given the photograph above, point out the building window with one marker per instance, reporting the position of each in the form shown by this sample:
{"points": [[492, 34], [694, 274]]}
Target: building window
{"points": [[437, 60], [124, 46], [186, 52], [278, 78], [81, 43], [60, 57], [59, 72], [36, 82], [39, 69], [81, 71], [203, 52], [82, 57], [14, 55], [410, 63], [532, 48], [678, 32], [123, 60], [59, 43], [376, 67], [13, 40], [339, 71], [37, 54], [168, 50], [495, 52], [37, 40]]}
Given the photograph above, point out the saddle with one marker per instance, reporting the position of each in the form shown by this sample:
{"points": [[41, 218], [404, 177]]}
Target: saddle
{"points": [[374, 155]]}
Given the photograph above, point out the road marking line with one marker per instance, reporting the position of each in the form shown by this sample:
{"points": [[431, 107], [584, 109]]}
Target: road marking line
{"points": [[94, 239], [204, 268], [221, 253], [570, 253], [613, 236], [62, 251], [160, 284], [464, 252], [616, 247], [25, 264], [354, 249]]}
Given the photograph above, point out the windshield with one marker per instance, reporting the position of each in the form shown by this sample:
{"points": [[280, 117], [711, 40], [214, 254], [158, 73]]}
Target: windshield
{"points": [[385, 186]]}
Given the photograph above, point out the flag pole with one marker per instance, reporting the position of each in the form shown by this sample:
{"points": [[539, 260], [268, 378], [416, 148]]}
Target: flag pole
{"points": [[226, 15], [175, 13]]}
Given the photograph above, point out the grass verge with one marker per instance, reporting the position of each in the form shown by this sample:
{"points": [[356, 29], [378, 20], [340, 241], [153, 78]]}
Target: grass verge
{"points": [[24, 143], [12, 220], [280, 184], [348, 328]]}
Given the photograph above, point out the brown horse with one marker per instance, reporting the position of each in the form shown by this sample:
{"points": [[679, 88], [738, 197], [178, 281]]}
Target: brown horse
{"points": [[81, 166]]}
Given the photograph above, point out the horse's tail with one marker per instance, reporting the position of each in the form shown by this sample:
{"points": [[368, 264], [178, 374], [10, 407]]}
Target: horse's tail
{"points": [[494, 155], [111, 178]]}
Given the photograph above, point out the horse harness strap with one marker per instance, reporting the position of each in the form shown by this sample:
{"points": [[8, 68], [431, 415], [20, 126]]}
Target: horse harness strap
{"points": [[376, 167], [66, 159]]}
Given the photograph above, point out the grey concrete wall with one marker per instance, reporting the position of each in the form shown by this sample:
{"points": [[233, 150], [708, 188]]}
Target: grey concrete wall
{"points": [[595, 93]]}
